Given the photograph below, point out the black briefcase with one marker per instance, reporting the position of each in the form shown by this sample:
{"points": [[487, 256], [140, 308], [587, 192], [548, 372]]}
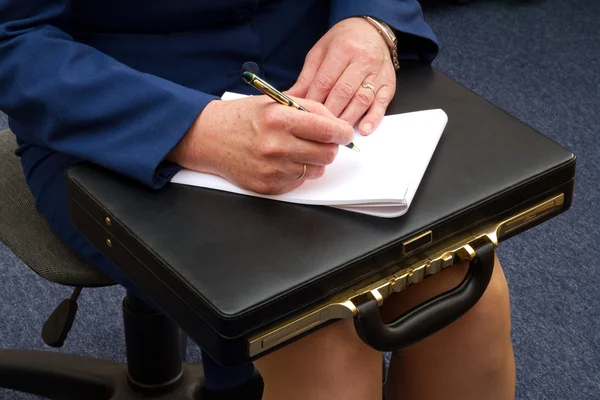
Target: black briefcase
{"points": [[244, 276]]}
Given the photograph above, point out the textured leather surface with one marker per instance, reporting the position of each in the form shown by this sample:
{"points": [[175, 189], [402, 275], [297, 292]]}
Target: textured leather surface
{"points": [[240, 262]]}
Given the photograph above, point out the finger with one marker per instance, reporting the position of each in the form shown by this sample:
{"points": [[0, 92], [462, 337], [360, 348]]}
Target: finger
{"points": [[311, 126], [311, 171], [361, 101], [312, 106], [327, 75], [293, 179], [313, 60], [348, 85], [314, 153], [373, 118]]}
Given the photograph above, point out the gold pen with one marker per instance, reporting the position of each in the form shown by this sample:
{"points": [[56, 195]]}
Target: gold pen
{"points": [[279, 97]]}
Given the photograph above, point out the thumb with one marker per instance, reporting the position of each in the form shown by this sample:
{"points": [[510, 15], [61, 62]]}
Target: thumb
{"points": [[299, 89]]}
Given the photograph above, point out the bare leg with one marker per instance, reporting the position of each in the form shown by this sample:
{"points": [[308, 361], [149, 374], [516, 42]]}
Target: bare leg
{"points": [[469, 359], [332, 363]]}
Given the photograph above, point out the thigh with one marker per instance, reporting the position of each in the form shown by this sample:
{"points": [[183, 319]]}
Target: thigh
{"points": [[331, 363], [472, 358]]}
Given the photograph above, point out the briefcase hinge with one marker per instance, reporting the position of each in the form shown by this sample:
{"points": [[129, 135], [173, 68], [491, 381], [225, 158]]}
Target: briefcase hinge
{"points": [[460, 250]]}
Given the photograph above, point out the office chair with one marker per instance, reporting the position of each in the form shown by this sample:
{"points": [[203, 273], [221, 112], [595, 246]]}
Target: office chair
{"points": [[155, 366]]}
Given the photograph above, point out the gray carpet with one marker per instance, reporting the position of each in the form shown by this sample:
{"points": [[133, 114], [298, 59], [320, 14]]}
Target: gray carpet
{"points": [[540, 61]]}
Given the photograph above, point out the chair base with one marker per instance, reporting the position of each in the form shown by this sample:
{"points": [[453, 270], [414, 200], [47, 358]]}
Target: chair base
{"points": [[155, 366], [65, 376]]}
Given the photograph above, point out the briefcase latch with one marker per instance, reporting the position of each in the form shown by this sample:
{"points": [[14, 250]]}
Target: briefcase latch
{"points": [[464, 249]]}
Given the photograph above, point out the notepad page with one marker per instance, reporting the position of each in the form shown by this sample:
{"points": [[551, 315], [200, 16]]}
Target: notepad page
{"points": [[353, 178], [379, 180], [420, 133]]}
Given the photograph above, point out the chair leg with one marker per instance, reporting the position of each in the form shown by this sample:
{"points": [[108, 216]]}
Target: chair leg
{"points": [[154, 348], [154, 368], [62, 376]]}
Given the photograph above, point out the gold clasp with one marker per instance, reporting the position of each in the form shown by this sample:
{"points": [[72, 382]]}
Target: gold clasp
{"points": [[459, 250]]}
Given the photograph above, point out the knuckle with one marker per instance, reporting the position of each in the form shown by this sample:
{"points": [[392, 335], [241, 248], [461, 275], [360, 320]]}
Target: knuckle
{"points": [[262, 184], [364, 98], [323, 131], [371, 58], [272, 120], [269, 176], [270, 189], [330, 154], [261, 187], [324, 82], [351, 46], [277, 175], [302, 80], [328, 133], [268, 147], [382, 101], [285, 152], [319, 171], [344, 89]]}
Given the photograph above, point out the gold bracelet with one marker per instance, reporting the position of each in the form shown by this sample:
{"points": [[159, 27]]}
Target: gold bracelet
{"points": [[389, 37]]}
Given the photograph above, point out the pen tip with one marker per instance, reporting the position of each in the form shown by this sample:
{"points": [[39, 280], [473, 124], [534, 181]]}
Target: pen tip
{"points": [[247, 75], [353, 147]]}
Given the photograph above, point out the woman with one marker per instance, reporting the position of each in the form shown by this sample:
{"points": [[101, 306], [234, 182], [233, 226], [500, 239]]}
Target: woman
{"points": [[134, 86]]}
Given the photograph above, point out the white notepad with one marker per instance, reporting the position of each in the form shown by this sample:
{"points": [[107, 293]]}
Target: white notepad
{"points": [[380, 180]]}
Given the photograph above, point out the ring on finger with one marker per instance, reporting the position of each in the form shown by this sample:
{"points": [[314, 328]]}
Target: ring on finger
{"points": [[369, 86], [303, 172]]}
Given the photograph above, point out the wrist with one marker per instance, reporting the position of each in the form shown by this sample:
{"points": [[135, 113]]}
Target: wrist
{"points": [[389, 36], [191, 151]]}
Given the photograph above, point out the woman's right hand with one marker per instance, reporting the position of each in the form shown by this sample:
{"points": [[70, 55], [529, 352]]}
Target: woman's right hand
{"points": [[261, 145]]}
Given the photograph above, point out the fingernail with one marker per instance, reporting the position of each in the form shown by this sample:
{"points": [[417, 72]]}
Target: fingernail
{"points": [[367, 127]]}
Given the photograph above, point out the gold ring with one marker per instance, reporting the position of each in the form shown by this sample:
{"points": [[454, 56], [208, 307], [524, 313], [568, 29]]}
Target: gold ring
{"points": [[369, 86], [303, 172]]}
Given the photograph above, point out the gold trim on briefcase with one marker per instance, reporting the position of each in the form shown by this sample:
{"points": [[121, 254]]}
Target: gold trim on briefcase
{"points": [[459, 250]]}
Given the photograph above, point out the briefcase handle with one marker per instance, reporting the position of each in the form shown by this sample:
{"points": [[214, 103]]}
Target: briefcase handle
{"points": [[431, 316]]}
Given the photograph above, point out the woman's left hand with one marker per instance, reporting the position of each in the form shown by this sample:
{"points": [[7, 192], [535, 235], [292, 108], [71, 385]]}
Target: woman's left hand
{"points": [[350, 71]]}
